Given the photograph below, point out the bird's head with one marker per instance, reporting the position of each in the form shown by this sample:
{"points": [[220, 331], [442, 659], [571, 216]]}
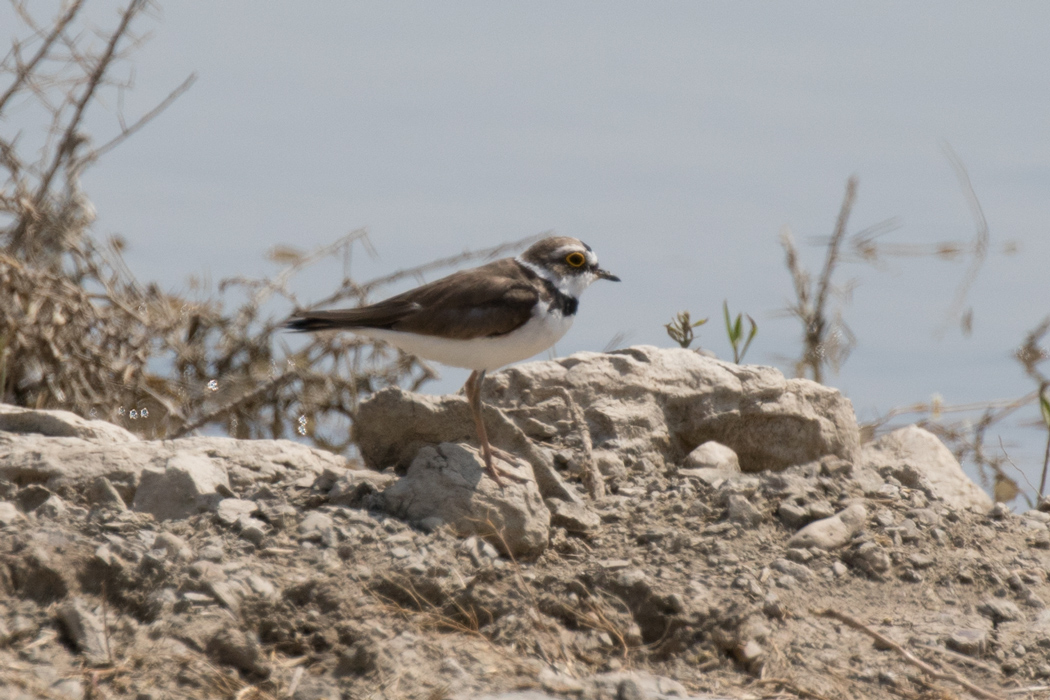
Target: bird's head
{"points": [[567, 262]]}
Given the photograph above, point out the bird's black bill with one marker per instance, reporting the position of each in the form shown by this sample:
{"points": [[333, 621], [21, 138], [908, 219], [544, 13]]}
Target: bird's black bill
{"points": [[606, 275]]}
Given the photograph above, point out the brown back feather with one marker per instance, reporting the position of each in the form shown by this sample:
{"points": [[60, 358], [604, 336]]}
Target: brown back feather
{"points": [[490, 300]]}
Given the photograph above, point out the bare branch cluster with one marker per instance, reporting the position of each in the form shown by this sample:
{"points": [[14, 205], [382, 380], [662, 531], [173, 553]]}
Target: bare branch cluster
{"points": [[79, 332], [826, 340]]}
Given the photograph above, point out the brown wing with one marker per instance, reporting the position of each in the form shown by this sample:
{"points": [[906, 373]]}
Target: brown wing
{"points": [[486, 301]]}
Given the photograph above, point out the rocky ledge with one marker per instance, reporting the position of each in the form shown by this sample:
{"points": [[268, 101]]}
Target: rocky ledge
{"points": [[680, 527]]}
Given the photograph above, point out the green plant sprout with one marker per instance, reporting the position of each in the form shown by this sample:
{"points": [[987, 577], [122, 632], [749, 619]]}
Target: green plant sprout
{"points": [[681, 328], [735, 331], [1044, 409]]}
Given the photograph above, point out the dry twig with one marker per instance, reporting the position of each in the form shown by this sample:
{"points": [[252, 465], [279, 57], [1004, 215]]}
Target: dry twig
{"points": [[918, 663]]}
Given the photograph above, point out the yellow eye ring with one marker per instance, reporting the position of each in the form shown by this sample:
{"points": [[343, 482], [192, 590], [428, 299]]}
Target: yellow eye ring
{"points": [[575, 259]]}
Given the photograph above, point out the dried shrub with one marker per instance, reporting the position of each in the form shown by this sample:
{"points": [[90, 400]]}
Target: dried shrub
{"points": [[79, 332]]}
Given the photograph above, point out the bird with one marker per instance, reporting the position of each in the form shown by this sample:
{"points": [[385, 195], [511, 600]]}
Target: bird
{"points": [[480, 319]]}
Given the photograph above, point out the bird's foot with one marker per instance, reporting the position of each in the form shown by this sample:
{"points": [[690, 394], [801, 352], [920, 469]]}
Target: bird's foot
{"points": [[495, 472]]}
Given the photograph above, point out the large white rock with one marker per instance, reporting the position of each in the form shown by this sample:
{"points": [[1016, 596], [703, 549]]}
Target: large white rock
{"points": [[57, 449], [393, 424], [642, 403], [918, 459], [24, 421], [447, 481], [660, 404]]}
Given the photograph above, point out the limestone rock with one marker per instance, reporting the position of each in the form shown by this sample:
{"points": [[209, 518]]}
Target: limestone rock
{"points": [[24, 421], [57, 449], [187, 485], [917, 459], [392, 425], [648, 403], [448, 482]]}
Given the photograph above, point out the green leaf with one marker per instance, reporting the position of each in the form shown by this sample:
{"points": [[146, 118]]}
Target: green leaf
{"points": [[1044, 407]]}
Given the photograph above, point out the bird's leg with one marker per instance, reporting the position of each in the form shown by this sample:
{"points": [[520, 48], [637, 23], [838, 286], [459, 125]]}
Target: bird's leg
{"points": [[473, 390]]}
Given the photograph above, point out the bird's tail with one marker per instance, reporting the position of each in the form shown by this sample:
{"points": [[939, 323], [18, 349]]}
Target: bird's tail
{"points": [[302, 324], [381, 315]]}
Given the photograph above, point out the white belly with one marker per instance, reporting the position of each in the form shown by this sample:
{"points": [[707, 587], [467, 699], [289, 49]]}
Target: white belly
{"points": [[538, 334]]}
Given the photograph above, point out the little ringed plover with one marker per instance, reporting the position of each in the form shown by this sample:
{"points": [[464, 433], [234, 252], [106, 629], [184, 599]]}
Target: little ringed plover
{"points": [[479, 319]]}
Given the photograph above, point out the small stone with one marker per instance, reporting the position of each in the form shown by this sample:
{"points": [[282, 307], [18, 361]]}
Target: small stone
{"points": [[1000, 511], [818, 510], [574, 517], [554, 682], [230, 645], [53, 507], [279, 516], [212, 552], [920, 561], [869, 558], [31, 497], [102, 493], [400, 553], [174, 545], [798, 554], [187, 484], [792, 515], [1000, 611], [832, 532], [712, 477], [9, 513], [888, 491], [84, 629], [226, 594], [1031, 600], [69, 688], [742, 512], [927, 517], [911, 576], [430, 524], [839, 569], [773, 608], [315, 527], [885, 518], [252, 529], [799, 571], [229, 509], [713, 455], [751, 656], [261, 586]]}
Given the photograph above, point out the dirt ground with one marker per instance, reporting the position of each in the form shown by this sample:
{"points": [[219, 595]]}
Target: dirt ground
{"points": [[346, 602]]}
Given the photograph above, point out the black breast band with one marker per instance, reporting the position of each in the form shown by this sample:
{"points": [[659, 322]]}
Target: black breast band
{"points": [[560, 300]]}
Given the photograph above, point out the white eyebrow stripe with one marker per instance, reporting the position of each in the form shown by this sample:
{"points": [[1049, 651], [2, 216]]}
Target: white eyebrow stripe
{"points": [[540, 272]]}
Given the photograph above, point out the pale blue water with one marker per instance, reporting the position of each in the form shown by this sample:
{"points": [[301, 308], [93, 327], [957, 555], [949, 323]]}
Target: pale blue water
{"points": [[676, 139]]}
